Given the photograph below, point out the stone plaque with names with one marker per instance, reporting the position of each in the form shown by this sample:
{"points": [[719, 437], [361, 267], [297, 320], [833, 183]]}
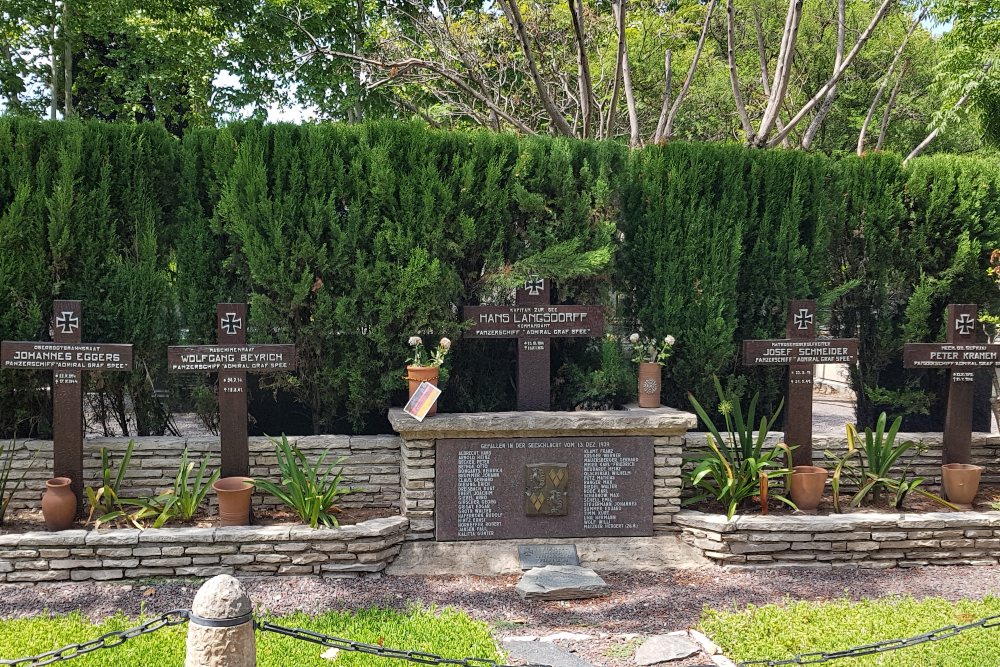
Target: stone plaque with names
{"points": [[961, 355], [68, 358], [540, 555], [503, 488], [532, 321], [232, 359], [800, 351]]}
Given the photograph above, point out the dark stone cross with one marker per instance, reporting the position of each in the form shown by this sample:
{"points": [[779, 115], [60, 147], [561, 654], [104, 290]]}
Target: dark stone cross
{"points": [[67, 357], [961, 355], [232, 358], [800, 351], [532, 320]]}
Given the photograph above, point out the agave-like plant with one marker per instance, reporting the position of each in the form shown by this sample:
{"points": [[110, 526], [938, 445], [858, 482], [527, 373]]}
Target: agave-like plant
{"points": [[181, 501], [308, 489], [735, 464], [871, 473], [104, 499]]}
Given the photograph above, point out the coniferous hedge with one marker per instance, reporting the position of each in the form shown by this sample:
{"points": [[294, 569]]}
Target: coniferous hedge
{"points": [[347, 239]]}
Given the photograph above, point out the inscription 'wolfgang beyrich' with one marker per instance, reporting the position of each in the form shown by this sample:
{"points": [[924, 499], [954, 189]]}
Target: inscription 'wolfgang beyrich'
{"points": [[237, 357]]}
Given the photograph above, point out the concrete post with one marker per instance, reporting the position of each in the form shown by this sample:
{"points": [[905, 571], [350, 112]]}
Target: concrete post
{"points": [[221, 629]]}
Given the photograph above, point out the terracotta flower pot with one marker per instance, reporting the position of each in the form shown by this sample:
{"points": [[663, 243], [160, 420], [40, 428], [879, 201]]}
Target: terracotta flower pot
{"points": [[234, 500], [417, 374], [650, 376], [961, 482], [58, 504], [808, 483]]}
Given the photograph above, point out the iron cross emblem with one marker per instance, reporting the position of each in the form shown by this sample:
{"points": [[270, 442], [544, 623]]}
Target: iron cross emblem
{"points": [[803, 318], [534, 285], [67, 322], [231, 324], [965, 324]]}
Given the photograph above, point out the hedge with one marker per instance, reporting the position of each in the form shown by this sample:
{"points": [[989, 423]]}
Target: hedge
{"points": [[347, 239]]}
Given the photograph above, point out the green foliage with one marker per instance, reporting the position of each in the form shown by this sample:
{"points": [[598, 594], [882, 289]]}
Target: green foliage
{"points": [[306, 488], [447, 631], [736, 465], [104, 499], [180, 502], [609, 386], [348, 239], [870, 467], [779, 631], [9, 485]]}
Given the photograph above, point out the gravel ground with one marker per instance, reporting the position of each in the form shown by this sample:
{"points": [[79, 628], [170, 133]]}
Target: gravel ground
{"points": [[641, 603]]}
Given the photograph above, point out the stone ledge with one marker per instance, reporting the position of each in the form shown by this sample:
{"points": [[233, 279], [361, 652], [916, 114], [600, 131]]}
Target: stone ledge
{"points": [[631, 421], [867, 540], [363, 548]]}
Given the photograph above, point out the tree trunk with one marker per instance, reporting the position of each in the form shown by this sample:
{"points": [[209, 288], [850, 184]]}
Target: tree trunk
{"points": [[889, 107], [661, 124], [13, 100], [619, 16], [837, 75], [513, 14], [885, 82], [734, 80], [669, 128], [583, 67], [633, 114], [782, 72], [67, 62], [824, 108], [54, 71]]}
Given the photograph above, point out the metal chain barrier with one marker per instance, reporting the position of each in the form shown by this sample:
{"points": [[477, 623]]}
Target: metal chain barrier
{"points": [[818, 657], [375, 649], [108, 640]]}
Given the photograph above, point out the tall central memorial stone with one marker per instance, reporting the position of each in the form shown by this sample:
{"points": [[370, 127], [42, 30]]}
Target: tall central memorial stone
{"points": [[535, 473]]}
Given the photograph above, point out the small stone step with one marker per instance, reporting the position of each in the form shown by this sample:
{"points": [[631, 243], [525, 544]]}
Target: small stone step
{"points": [[561, 582], [544, 653], [664, 648]]}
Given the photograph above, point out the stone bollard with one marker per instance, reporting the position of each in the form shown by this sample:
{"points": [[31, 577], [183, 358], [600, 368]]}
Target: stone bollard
{"points": [[221, 628]]}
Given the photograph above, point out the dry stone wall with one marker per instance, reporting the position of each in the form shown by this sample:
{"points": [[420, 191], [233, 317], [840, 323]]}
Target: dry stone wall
{"points": [[108, 555], [371, 465], [862, 540]]}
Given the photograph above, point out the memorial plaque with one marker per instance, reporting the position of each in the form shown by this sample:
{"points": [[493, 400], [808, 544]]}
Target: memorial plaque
{"points": [[960, 355], [539, 555], [800, 351], [532, 320], [232, 359], [501, 488], [67, 357]]}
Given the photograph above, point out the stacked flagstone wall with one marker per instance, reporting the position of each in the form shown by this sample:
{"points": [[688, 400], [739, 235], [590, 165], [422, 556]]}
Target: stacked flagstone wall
{"points": [[371, 465]]}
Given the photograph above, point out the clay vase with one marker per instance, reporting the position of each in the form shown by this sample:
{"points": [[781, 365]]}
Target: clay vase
{"points": [[650, 384], [961, 482], [58, 504], [234, 500], [808, 483], [417, 374]]}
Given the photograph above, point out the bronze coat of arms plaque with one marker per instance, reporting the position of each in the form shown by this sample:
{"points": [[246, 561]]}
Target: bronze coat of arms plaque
{"points": [[545, 489]]}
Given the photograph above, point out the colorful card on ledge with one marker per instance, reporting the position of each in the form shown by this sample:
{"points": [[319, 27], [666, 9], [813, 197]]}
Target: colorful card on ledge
{"points": [[422, 401]]}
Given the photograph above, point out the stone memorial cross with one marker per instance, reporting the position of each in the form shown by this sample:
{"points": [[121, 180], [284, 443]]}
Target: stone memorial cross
{"points": [[960, 355], [532, 320], [67, 357], [800, 351], [232, 358]]}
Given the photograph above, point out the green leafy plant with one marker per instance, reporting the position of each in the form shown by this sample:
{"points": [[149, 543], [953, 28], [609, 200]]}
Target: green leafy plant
{"points": [[103, 499], [733, 469], [178, 503], [868, 465], [306, 488], [7, 487], [651, 350]]}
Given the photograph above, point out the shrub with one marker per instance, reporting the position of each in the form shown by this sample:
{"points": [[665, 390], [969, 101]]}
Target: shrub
{"points": [[306, 488]]}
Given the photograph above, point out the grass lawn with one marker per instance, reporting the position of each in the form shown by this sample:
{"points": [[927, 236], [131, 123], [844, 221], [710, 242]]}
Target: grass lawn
{"points": [[778, 632], [445, 632]]}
